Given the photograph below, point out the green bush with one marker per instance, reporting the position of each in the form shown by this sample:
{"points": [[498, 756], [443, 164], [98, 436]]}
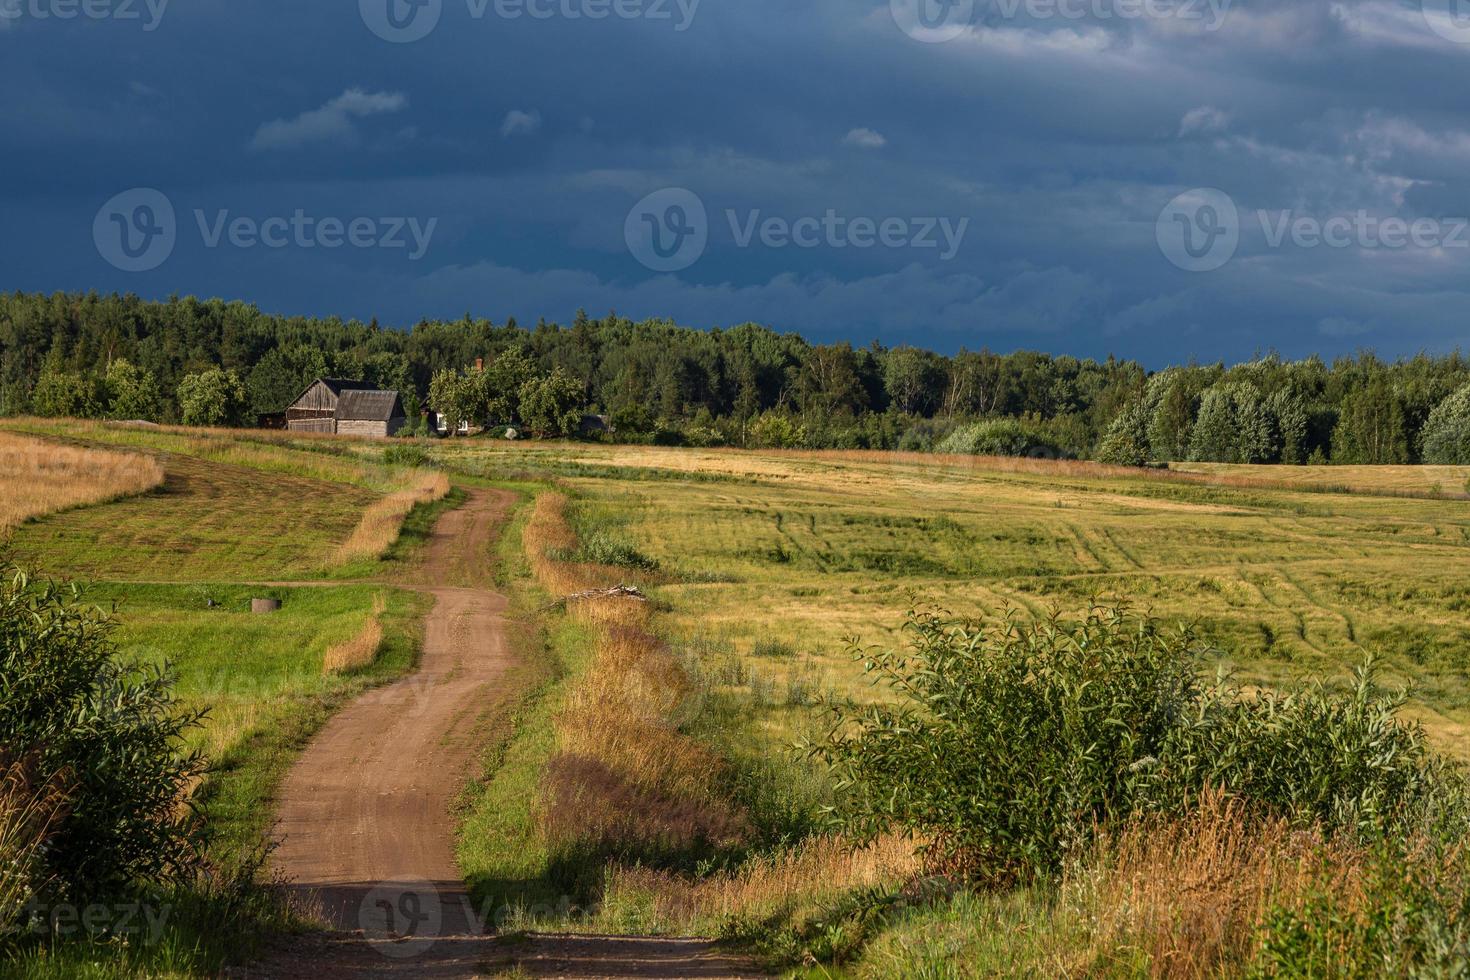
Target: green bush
{"points": [[1342, 761], [605, 548], [1010, 742], [1004, 437], [107, 731], [1446, 436], [407, 454]]}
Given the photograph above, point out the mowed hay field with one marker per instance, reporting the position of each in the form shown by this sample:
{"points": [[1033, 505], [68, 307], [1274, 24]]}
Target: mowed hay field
{"points": [[227, 519], [38, 478], [772, 559]]}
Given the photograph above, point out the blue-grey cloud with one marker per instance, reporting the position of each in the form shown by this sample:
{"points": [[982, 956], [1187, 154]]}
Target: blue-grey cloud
{"points": [[1058, 139]]}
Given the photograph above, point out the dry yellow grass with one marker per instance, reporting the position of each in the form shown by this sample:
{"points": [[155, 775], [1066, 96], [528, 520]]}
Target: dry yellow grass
{"points": [[818, 871], [623, 774], [362, 649], [1193, 892], [382, 521], [28, 811], [39, 477]]}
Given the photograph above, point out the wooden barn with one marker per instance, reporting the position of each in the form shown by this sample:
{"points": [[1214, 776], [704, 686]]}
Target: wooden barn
{"points": [[351, 408]]}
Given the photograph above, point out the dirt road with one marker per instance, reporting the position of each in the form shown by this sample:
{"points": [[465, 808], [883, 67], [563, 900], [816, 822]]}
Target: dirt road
{"points": [[368, 836]]}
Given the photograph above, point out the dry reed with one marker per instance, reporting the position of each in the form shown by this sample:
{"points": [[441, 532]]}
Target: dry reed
{"points": [[39, 477], [819, 871], [1193, 892], [623, 773], [29, 810], [362, 649], [381, 522]]}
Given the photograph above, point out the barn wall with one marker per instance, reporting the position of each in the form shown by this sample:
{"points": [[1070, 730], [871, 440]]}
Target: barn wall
{"points": [[317, 398], [312, 425], [352, 427]]}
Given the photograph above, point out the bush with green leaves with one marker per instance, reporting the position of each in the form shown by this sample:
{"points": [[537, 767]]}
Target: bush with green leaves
{"points": [[212, 398], [1010, 741], [1126, 442], [1004, 437], [407, 454], [1446, 436], [1343, 761], [110, 732]]}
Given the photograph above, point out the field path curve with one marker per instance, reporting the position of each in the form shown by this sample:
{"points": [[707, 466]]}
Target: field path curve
{"points": [[367, 836]]}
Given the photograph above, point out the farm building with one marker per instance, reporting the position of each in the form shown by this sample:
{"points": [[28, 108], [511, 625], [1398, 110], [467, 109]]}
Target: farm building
{"points": [[349, 408]]}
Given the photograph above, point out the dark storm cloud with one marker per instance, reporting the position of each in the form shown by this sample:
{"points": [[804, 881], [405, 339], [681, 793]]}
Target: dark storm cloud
{"points": [[1056, 130]]}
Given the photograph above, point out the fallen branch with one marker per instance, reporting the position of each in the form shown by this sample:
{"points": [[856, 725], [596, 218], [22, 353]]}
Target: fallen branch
{"points": [[616, 592]]}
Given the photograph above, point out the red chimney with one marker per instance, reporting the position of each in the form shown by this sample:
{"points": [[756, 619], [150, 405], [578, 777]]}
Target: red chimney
{"points": [[479, 364]]}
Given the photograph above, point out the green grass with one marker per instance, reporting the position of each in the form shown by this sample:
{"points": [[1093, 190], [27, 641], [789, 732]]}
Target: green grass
{"points": [[1282, 580], [209, 522], [501, 851], [176, 564], [505, 862]]}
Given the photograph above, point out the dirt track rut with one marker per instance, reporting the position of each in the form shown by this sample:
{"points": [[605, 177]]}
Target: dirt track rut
{"points": [[364, 816]]}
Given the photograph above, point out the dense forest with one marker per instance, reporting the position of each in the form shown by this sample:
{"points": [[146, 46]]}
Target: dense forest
{"points": [[217, 362]]}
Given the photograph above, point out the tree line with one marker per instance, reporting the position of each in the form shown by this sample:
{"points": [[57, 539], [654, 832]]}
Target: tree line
{"points": [[217, 362]]}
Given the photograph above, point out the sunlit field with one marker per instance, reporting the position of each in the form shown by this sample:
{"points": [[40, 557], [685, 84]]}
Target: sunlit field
{"points": [[40, 478], [773, 559], [176, 564]]}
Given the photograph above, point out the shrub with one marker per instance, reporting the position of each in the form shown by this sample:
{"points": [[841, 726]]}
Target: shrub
{"points": [[1126, 442], [1011, 742], [775, 430], [605, 548], [407, 454], [1343, 762], [109, 730], [1446, 437], [1003, 437], [212, 397]]}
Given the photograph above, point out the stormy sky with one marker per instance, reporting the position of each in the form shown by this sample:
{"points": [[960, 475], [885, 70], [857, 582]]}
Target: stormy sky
{"points": [[1160, 179]]}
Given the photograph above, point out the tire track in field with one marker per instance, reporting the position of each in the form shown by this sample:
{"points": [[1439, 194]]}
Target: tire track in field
{"points": [[365, 814]]}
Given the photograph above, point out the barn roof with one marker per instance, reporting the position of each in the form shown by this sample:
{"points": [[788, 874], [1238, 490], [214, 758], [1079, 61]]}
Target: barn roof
{"points": [[336, 386], [358, 405], [339, 385]]}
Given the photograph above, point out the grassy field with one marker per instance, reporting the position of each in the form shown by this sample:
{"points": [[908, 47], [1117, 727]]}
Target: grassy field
{"points": [[762, 565], [773, 559], [37, 477], [679, 718], [226, 519]]}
